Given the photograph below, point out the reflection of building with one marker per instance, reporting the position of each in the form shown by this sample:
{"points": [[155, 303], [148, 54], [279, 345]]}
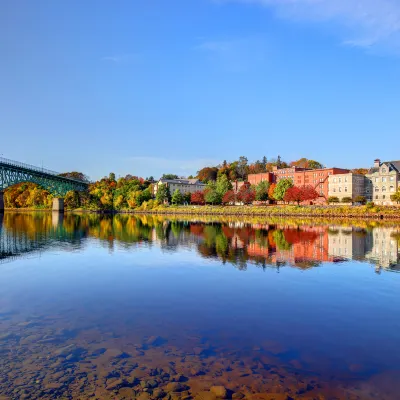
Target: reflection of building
{"points": [[385, 248], [348, 243]]}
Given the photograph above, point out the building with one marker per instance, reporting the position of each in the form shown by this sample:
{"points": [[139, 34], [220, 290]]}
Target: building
{"points": [[383, 180], [183, 185], [317, 178], [346, 185], [255, 179]]}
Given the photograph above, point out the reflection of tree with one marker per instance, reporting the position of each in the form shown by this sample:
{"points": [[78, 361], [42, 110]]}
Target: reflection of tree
{"points": [[281, 242]]}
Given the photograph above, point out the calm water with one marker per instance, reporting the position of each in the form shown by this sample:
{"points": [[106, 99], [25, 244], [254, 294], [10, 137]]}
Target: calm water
{"points": [[148, 307]]}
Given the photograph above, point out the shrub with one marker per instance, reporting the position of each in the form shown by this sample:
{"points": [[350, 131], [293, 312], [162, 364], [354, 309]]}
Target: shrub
{"points": [[360, 199], [347, 200], [333, 199]]}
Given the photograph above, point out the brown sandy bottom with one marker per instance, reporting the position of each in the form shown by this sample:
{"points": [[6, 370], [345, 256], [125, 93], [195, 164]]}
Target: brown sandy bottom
{"points": [[44, 357]]}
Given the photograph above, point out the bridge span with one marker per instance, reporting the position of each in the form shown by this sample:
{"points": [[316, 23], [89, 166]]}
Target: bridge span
{"points": [[13, 172]]}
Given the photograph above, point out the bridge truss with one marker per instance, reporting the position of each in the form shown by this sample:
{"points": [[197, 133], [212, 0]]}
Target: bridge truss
{"points": [[13, 172]]}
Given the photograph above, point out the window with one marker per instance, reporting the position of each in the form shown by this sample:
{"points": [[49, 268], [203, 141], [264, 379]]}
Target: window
{"points": [[383, 170], [334, 180], [334, 190], [345, 189], [340, 180], [376, 179], [383, 188], [376, 197], [383, 197], [384, 179], [391, 179], [376, 189], [345, 179], [340, 189], [391, 188]]}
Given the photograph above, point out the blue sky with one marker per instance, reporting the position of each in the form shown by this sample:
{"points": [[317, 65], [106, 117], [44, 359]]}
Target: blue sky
{"points": [[152, 86]]}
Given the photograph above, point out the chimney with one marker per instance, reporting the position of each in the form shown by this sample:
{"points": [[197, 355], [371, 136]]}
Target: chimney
{"points": [[377, 163]]}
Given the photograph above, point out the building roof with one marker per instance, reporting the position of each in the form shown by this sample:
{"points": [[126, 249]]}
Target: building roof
{"points": [[394, 165], [182, 181]]}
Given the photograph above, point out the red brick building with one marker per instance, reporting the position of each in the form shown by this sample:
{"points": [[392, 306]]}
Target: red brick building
{"points": [[317, 178]]}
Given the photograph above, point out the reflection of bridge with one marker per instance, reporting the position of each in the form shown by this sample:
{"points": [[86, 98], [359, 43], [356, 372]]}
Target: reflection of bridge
{"points": [[17, 243], [13, 172]]}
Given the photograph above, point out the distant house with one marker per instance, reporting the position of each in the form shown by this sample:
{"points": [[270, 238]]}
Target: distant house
{"points": [[347, 185], [183, 185]]}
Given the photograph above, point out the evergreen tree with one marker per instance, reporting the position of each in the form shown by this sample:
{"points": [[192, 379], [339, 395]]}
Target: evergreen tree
{"points": [[177, 197]]}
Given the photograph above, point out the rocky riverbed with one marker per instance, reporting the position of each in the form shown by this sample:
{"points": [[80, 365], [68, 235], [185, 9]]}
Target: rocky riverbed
{"points": [[43, 357]]}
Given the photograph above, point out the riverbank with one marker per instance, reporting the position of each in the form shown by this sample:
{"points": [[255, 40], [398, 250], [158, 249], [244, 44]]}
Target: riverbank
{"points": [[359, 212]]}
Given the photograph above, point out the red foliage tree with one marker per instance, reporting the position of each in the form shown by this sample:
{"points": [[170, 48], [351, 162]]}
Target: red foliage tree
{"points": [[271, 191], [229, 197], [246, 194], [293, 195], [297, 194], [197, 198], [309, 193]]}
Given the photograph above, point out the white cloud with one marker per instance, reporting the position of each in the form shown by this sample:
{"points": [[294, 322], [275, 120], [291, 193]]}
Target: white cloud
{"points": [[366, 23]]}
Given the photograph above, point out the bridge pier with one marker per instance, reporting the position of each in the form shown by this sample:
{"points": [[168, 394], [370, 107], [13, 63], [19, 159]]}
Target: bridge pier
{"points": [[58, 204], [1, 202]]}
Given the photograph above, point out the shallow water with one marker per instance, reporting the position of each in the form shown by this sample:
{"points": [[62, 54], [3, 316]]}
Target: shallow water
{"points": [[149, 307]]}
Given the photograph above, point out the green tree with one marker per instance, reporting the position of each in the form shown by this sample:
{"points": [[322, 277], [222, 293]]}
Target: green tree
{"points": [[347, 200], [281, 187], [170, 176], [177, 197], [111, 176], [242, 167], [333, 199], [396, 197], [211, 195], [262, 191], [360, 199], [187, 197], [163, 193], [223, 185]]}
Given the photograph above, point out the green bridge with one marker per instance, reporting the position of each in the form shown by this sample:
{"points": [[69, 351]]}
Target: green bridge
{"points": [[13, 172]]}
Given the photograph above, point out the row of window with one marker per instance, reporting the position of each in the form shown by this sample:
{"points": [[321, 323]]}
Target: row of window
{"points": [[391, 189], [384, 179]]}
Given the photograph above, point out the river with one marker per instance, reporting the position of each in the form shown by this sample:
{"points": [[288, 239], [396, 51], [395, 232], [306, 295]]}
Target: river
{"points": [[151, 307]]}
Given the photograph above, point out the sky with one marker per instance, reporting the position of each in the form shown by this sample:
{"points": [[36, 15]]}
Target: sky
{"points": [[148, 87]]}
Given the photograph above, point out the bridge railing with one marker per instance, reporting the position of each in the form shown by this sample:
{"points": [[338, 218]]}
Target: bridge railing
{"points": [[18, 164]]}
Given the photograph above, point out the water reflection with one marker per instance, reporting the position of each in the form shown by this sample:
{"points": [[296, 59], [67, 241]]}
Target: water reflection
{"points": [[276, 243]]}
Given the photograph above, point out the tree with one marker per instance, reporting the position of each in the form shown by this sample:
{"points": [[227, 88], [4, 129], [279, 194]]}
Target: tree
{"points": [[281, 187], [170, 176], [360, 171], [306, 163], [71, 200], [177, 197], [229, 197], [293, 195], [360, 199], [208, 174], [333, 199], [187, 197], [79, 176], [197, 198], [271, 191], [211, 195], [242, 167], [246, 194], [262, 191], [396, 197], [111, 177], [223, 185], [163, 193], [309, 193]]}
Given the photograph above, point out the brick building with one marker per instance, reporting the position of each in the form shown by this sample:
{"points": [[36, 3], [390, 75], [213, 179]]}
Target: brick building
{"points": [[317, 178]]}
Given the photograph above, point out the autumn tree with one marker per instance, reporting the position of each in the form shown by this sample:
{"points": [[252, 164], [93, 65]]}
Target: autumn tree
{"points": [[229, 197], [396, 197], [246, 194], [207, 174], [79, 176], [281, 187], [271, 191], [197, 198], [211, 195], [309, 193], [293, 195], [72, 200], [306, 163]]}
